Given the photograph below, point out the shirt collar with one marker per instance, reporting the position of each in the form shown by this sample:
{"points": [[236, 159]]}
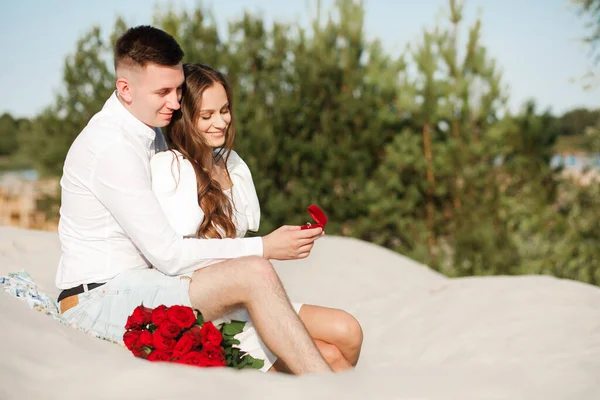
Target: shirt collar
{"points": [[140, 128]]}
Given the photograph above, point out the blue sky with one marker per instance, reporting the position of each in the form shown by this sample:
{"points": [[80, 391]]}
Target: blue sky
{"points": [[536, 42]]}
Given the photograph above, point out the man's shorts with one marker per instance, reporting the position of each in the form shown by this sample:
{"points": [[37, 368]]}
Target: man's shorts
{"points": [[104, 310]]}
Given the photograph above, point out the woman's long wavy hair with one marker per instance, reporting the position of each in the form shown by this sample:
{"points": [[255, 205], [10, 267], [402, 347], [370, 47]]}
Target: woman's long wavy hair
{"points": [[183, 135]]}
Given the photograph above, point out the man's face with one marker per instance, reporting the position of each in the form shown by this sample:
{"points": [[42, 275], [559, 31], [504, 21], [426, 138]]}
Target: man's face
{"points": [[155, 93]]}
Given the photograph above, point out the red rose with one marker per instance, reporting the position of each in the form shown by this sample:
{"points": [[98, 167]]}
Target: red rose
{"points": [[158, 355], [169, 329], [159, 315], [139, 318], [162, 343], [140, 352], [183, 346], [194, 358], [210, 335], [145, 338], [215, 355], [131, 339], [141, 315], [183, 316], [130, 324], [194, 333]]}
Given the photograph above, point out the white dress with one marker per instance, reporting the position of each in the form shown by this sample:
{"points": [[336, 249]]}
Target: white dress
{"points": [[174, 183]]}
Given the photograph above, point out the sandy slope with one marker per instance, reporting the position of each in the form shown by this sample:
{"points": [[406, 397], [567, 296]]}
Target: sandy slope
{"points": [[426, 336]]}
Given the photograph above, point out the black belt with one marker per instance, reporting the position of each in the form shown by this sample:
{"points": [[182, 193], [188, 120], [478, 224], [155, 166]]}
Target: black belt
{"points": [[77, 290]]}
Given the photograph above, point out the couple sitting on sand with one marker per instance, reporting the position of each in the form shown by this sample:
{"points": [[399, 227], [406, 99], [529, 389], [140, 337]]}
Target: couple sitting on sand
{"points": [[143, 222]]}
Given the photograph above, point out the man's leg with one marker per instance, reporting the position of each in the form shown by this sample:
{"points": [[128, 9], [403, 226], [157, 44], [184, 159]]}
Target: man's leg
{"points": [[253, 283]]}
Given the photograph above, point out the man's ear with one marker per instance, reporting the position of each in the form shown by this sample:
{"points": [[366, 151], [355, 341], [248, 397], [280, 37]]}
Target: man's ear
{"points": [[124, 89]]}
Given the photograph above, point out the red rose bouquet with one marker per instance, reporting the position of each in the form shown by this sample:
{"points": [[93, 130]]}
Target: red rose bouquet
{"points": [[179, 334]]}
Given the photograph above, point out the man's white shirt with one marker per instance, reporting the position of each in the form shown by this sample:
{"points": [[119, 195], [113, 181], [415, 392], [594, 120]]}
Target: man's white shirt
{"points": [[111, 219]]}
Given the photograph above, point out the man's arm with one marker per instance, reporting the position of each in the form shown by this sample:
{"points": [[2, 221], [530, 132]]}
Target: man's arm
{"points": [[120, 180]]}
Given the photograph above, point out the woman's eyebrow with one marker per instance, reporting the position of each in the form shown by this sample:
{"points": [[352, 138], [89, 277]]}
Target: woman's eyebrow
{"points": [[211, 110]]}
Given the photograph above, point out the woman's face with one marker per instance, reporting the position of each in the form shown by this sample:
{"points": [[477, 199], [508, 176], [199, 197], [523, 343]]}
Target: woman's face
{"points": [[215, 116]]}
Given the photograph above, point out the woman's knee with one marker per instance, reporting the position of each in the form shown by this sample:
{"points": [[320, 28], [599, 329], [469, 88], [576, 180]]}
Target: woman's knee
{"points": [[330, 352], [347, 330]]}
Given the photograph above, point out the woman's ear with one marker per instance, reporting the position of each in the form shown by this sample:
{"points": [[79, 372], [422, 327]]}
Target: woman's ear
{"points": [[124, 89]]}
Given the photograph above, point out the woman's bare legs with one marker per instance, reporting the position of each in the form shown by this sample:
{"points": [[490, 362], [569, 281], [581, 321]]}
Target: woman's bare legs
{"points": [[336, 327], [336, 333], [330, 353]]}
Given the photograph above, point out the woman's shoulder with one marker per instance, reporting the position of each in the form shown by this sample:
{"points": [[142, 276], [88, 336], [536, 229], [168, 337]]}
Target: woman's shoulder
{"points": [[174, 184], [163, 157], [238, 169], [235, 163], [244, 190], [168, 168]]}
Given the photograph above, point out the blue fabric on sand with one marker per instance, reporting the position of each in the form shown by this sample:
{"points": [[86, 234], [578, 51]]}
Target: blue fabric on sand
{"points": [[21, 285]]}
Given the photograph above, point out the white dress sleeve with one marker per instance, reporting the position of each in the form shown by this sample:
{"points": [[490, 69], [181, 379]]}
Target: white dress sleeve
{"points": [[245, 202], [174, 183]]}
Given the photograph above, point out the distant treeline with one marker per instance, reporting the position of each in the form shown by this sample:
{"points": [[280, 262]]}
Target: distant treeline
{"points": [[416, 153]]}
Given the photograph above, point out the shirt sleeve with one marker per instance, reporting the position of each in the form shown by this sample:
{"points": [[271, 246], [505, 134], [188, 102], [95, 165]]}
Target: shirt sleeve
{"points": [[121, 180]]}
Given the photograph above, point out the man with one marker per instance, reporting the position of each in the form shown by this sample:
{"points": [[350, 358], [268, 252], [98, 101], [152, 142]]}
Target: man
{"points": [[113, 230]]}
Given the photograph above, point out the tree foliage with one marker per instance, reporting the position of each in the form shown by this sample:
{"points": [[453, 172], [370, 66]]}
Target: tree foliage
{"points": [[575, 122], [8, 134], [590, 10], [416, 153]]}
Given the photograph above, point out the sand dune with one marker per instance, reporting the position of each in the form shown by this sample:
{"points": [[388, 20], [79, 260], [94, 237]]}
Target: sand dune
{"points": [[426, 336]]}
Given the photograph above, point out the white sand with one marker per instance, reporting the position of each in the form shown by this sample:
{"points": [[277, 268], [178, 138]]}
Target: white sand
{"points": [[426, 336]]}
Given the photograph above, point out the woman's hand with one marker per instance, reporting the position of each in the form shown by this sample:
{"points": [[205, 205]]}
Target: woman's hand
{"points": [[290, 242]]}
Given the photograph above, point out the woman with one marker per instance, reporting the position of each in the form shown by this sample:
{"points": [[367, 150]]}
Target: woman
{"points": [[206, 191]]}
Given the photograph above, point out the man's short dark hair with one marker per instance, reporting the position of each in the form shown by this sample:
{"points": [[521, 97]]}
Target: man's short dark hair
{"points": [[144, 44]]}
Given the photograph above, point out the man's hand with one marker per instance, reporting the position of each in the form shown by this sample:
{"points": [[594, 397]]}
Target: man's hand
{"points": [[290, 242]]}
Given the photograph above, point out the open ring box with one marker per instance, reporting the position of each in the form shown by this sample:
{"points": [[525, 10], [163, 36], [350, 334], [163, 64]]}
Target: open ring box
{"points": [[318, 215]]}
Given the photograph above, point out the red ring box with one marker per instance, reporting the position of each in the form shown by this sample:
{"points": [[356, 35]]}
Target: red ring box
{"points": [[318, 215]]}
